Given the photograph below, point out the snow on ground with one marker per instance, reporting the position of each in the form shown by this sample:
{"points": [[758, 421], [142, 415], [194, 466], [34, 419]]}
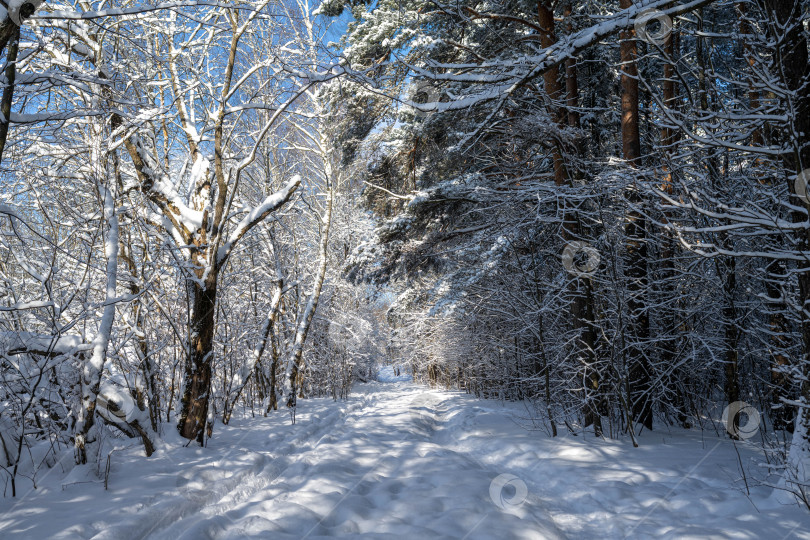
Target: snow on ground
{"points": [[400, 460], [386, 374]]}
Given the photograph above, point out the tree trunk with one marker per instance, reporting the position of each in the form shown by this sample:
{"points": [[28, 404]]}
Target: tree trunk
{"points": [[571, 80], [8, 91], [636, 233], [553, 88], [777, 324], [581, 298], [272, 404], [727, 268], [669, 248], [794, 72], [258, 351], [92, 368], [296, 357], [200, 351]]}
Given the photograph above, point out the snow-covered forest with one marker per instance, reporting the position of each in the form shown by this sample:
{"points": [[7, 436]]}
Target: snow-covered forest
{"points": [[391, 268]]}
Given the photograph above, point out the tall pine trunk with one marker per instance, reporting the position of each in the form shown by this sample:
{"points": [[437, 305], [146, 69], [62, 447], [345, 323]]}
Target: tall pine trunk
{"points": [[636, 237], [581, 307], [675, 378]]}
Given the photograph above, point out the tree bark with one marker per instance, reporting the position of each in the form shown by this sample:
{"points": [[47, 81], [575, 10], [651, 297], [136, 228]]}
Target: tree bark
{"points": [[553, 88], [727, 268], [92, 368], [636, 234], [296, 356], [8, 91], [669, 249], [197, 386], [582, 308]]}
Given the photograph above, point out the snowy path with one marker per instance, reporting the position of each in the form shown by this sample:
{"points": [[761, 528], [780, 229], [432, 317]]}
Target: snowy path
{"points": [[398, 460]]}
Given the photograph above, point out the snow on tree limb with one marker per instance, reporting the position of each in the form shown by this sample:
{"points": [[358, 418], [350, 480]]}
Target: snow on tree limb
{"points": [[509, 75], [137, 10], [13, 343], [270, 204]]}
